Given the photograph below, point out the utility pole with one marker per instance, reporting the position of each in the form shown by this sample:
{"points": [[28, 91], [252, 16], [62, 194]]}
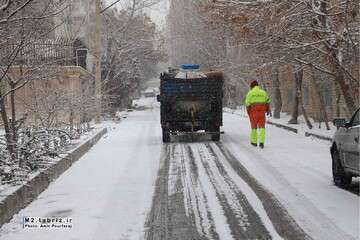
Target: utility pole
{"points": [[97, 46]]}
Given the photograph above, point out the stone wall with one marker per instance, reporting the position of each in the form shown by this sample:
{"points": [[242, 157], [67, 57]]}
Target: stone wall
{"points": [[53, 95]]}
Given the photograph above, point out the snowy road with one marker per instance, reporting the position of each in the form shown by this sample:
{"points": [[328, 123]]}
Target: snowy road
{"points": [[297, 170], [107, 193], [130, 186], [204, 198]]}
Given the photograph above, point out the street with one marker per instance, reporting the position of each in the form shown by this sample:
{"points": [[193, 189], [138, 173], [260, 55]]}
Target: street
{"points": [[131, 186], [179, 120]]}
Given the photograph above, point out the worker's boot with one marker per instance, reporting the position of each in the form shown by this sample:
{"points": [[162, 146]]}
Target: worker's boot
{"points": [[261, 145], [254, 137]]}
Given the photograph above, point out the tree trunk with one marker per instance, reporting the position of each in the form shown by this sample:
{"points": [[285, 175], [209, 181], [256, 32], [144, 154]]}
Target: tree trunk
{"points": [[335, 62], [277, 95], [323, 112], [8, 134], [308, 123], [71, 120], [13, 112], [295, 112], [346, 90], [298, 101], [338, 98], [12, 124]]}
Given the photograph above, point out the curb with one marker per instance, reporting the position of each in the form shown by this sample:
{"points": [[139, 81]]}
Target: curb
{"points": [[23, 196], [307, 134], [294, 130]]}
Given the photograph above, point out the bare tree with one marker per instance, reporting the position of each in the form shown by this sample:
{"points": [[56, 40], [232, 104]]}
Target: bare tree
{"points": [[320, 34], [21, 24], [132, 54], [277, 100]]}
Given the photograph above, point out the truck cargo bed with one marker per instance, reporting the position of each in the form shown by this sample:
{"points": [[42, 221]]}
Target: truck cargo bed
{"points": [[190, 105]]}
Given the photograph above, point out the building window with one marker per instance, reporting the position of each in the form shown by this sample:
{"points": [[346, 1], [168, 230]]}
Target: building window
{"points": [[327, 95], [306, 96], [290, 95]]}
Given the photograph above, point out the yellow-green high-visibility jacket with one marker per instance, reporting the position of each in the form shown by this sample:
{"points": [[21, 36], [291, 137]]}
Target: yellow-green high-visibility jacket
{"points": [[257, 97]]}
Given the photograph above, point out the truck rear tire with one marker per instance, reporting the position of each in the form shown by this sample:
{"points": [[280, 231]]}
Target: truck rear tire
{"points": [[166, 135], [215, 135]]}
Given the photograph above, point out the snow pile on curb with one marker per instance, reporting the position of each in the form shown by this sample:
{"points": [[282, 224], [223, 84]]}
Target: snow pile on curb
{"points": [[302, 127], [44, 161]]}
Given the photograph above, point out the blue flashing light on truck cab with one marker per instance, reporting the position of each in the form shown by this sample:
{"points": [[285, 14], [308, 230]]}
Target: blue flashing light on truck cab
{"points": [[190, 66]]}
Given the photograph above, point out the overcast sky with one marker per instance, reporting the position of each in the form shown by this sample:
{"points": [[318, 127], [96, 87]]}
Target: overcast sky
{"points": [[157, 12]]}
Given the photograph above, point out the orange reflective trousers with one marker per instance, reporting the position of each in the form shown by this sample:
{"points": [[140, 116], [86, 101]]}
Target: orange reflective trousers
{"points": [[257, 114]]}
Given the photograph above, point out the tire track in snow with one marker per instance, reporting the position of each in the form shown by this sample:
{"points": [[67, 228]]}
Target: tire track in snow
{"points": [[169, 219], [197, 198], [243, 221], [282, 220], [156, 225], [207, 224], [196, 202]]}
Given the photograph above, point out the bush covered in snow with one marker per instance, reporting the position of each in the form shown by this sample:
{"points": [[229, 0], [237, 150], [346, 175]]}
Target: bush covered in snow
{"points": [[37, 148]]}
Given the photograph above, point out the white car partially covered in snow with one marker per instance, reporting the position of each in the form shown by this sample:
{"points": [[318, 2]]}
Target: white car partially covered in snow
{"points": [[149, 93], [345, 150]]}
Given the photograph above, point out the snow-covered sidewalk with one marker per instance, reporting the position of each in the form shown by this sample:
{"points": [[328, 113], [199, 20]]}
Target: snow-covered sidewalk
{"points": [[298, 171], [107, 193], [301, 128]]}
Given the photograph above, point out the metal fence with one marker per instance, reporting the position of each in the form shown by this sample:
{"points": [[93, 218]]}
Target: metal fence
{"points": [[59, 51]]}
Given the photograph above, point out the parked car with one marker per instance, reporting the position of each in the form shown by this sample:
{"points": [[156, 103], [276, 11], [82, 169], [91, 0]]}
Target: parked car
{"points": [[345, 150], [149, 93]]}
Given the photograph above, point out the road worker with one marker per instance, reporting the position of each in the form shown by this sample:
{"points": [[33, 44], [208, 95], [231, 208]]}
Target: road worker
{"points": [[257, 105]]}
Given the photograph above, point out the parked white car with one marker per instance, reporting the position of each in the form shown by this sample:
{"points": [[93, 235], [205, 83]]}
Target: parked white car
{"points": [[345, 150]]}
